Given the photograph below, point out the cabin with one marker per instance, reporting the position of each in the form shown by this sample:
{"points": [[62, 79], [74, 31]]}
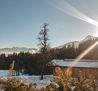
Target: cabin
{"points": [[84, 67]]}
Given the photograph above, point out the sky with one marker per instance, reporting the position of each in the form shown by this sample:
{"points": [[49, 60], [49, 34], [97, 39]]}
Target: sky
{"points": [[22, 20]]}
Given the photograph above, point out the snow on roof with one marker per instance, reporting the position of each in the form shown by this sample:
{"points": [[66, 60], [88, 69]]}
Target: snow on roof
{"points": [[83, 60], [65, 63]]}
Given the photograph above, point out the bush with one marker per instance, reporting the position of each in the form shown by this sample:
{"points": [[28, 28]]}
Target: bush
{"points": [[67, 83], [15, 84]]}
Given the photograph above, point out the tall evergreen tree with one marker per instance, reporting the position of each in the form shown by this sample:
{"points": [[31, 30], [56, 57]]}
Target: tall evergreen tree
{"points": [[44, 45]]}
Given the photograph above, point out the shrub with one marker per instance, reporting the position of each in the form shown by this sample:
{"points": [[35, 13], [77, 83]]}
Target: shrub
{"points": [[15, 84], [67, 83]]}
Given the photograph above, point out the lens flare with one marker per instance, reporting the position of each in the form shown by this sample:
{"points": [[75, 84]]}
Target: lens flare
{"points": [[82, 55], [72, 11], [86, 51], [96, 32], [65, 7]]}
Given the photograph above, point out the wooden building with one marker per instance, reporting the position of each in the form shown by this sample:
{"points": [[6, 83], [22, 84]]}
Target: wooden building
{"points": [[85, 67]]}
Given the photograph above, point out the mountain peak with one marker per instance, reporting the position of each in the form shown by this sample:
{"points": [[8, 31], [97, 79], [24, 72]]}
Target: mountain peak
{"points": [[89, 37], [77, 43]]}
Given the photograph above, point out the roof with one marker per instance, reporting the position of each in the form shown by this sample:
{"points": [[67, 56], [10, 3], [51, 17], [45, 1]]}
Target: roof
{"points": [[83, 60], [67, 63]]}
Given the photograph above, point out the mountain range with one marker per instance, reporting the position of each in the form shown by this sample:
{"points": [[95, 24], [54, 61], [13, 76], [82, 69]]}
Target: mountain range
{"points": [[17, 50], [33, 50], [77, 43]]}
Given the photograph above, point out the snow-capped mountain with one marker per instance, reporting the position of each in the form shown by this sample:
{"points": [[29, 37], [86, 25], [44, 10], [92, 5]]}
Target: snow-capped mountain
{"points": [[70, 44], [76, 44], [89, 37], [17, 50]]}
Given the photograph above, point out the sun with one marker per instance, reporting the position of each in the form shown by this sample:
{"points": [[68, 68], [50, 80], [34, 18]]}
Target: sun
{"points": [[96, 32]]}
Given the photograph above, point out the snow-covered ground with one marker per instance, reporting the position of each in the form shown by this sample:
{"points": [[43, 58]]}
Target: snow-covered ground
{"points": [[36, 80], [31, 79], [3, 73]]}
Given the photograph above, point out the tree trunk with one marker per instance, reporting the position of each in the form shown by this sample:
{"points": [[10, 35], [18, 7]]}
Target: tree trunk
{"points": [[42, 72]]}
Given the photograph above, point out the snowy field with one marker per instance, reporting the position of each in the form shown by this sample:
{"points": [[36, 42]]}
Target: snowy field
{"points": [[31, 79], [36, 80]]}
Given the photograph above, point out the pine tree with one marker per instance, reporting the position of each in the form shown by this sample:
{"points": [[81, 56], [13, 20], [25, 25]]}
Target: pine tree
{"points": [[44, 45]]}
